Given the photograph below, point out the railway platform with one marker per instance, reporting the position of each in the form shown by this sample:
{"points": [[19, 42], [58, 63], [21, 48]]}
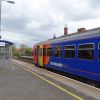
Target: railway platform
{"points": [[24, 81], [87, 91]]}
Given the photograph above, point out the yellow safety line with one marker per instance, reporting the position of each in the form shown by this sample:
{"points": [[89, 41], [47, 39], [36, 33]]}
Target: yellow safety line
{"points": [[59, 87]]}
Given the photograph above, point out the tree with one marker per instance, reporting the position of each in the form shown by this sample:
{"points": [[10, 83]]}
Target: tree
{"points": [[23, 48], [15, 51]]}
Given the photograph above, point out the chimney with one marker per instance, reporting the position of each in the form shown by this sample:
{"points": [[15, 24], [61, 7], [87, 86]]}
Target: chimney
{"points": [[65, 30], [80, 30]]}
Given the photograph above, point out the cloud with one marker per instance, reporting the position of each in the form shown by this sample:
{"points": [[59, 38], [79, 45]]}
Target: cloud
{"points": [[73, 10], [31, 21], [94, 4]]}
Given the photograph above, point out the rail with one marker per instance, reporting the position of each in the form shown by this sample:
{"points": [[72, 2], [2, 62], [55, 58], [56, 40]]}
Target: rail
{"points": [[28, 59]]}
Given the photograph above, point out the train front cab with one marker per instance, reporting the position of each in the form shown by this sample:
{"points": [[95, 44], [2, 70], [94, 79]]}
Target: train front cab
{"points": [[35, 55], [40, 55]]}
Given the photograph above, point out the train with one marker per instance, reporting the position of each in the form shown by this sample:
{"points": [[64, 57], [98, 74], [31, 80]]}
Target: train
{"points": [[77, 53]]}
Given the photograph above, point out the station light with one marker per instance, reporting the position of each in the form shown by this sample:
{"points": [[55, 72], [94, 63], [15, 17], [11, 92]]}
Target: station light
{"points": [[11, 2]]}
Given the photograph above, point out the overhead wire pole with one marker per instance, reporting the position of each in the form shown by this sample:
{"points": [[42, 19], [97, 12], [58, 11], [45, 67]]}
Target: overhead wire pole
{"points": [[12, 2]]}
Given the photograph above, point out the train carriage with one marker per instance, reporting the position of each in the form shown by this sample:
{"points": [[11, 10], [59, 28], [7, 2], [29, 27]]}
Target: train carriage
{"points": [[78, 54]]}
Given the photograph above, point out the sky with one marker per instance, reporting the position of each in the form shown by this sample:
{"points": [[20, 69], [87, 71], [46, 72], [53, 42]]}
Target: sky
{"points": [[31, 21]]}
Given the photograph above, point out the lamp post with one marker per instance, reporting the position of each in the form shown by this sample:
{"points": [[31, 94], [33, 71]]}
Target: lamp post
{"points": [[12, 2]]}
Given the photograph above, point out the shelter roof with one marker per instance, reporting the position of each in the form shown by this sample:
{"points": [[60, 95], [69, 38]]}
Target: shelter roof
{"points": [[7, 42]]}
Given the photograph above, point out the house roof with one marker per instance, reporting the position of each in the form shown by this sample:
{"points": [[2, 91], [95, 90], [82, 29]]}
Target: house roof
{"points": [[74, 36]]}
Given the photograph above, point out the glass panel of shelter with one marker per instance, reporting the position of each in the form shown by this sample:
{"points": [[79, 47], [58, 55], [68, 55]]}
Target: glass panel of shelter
{"points": [[4, 51]]}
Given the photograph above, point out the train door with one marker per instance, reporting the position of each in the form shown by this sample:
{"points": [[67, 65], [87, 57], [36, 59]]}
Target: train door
{"points": [[35, 55], [45, 54], [40, 55]]}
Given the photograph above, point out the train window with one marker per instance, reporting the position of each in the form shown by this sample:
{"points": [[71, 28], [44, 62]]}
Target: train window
{"points": [[69, 51], [40, 52], [44, 51], [50, 52], [35, 52], [86, 51], [86, 46], [58, 51]]}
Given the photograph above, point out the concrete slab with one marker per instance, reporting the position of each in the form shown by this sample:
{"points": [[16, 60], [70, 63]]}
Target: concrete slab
{"points": [[5, 63], [18, 84]]}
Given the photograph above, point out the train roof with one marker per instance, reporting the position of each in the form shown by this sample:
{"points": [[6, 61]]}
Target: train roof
{"points": [[74, 36]]}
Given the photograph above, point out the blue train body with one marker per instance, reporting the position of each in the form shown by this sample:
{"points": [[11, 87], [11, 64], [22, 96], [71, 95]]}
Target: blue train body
{"points": [[88, 68], [82, 67]]}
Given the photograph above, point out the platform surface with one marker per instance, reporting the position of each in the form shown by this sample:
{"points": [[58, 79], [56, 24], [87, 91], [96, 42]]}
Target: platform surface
{"points": [[17, 83]]}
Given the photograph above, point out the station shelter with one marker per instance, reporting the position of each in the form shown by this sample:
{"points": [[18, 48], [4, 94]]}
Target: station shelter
{"points": [[5, 53]]}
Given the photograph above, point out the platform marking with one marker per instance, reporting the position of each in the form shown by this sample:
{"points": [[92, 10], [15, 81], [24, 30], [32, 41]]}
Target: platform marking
{"points": [[50, 82]]}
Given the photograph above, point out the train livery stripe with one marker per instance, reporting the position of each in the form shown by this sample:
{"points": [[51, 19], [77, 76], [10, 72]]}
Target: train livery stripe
{"points": [[78, 70], [52, 83]]}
